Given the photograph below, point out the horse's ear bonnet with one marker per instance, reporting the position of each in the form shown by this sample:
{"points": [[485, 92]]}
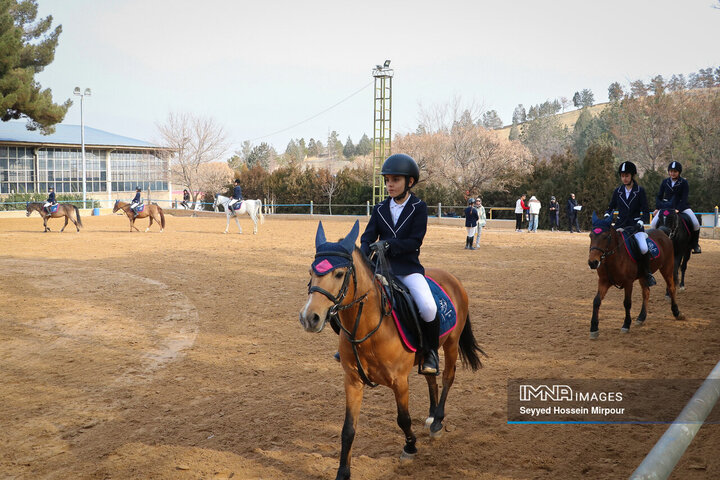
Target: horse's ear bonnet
{"points": [[329, 255], [600, 224]]}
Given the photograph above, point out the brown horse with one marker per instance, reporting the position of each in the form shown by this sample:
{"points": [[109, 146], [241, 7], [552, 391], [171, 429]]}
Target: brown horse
{"points": [[609, 256], [70, 212], [153, 211], [371, 349]]}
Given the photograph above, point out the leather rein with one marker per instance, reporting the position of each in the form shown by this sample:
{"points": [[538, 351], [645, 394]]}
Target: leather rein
{"points": [[337, 307]]}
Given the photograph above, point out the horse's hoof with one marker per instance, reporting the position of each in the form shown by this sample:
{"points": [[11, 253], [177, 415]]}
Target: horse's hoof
{"points": [[161, 230], [681, 289], [436, 433], [225, 232], [594, 335], [429, 421], [407, 456], [639, 323], [681, 316], [624, 330]]}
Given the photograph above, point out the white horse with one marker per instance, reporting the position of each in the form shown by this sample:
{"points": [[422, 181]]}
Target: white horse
{"points": [[251, 207]]}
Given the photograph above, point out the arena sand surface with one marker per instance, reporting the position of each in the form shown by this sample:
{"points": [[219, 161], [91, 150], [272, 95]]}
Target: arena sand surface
{"points": [[179, 356]]}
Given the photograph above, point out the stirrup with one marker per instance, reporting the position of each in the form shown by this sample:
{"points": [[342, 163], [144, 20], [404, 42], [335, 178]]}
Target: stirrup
{"points": [[430, 364]]}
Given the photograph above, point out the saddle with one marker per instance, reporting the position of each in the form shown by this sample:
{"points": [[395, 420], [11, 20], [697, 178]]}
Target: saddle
{"points": [[139, 208], [238, 205], [633, 249], [52, 208]]}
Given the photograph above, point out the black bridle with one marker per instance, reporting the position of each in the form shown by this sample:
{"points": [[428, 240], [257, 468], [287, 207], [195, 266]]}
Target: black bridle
{"points": [[333, 312], [670, 225]]}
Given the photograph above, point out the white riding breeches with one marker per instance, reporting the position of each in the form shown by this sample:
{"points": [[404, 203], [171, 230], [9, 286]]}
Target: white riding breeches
{"points": [[471, 231], [232, 202], [422, 295], [641, 238], [47, 204]]}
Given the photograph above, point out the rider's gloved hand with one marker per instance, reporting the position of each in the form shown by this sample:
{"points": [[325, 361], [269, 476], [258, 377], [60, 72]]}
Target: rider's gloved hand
{"points": [[380, 245]]}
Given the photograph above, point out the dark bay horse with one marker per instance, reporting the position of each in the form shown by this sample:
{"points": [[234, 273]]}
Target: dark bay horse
{"points": [[371, 349], [70, 212], [680, 232], [153, 211], [615, 267]]}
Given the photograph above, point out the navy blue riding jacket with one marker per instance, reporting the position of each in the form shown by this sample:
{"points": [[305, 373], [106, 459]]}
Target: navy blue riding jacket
{"points": [[403, 238], [677, 195], [237, 193], [137, 198], [471, 217], [51, 197], [630, 209]]}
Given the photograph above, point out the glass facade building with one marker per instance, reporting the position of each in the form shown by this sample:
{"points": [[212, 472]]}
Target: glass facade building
{"points": [[28, 166]]}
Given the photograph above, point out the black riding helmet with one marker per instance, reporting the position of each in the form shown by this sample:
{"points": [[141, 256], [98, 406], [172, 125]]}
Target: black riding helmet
{"points": [[401, 164], [628, 167], [675, 166], [138, 189], [237, 181]]}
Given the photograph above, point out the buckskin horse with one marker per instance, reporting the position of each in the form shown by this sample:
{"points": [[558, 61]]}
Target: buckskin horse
{"points": [[70, 212], [679, 231], [615, 267], [151, 210], [371, 349]]}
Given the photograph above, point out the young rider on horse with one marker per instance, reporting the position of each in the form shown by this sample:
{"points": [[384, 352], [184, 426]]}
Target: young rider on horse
{"points": [[236, 196], [400, 222], [50, 200], [675, 189], [136, 201], [631, 203]]}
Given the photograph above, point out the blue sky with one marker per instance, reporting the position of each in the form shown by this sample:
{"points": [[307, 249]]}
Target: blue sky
{"points": [[257, 67]]}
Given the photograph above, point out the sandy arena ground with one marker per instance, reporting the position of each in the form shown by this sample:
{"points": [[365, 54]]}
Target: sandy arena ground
{"points": [[179, 356]]}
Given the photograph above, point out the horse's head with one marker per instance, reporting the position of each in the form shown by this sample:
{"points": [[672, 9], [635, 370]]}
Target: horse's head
{"points": [[601, 239], [28, 209], [116, 207], [667, 218], [330, 276]]}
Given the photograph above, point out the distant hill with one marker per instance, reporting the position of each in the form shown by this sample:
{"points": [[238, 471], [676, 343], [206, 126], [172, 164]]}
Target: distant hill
{"points": [[568, 119]]}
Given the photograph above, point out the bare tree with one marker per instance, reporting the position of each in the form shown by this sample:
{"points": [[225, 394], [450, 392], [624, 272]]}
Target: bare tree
{"points": [[329, 184], [214, 176], [194, 141]]}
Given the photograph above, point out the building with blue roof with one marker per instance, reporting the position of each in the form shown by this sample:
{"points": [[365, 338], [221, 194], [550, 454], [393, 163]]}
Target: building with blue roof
{"points": [[114, 165]]}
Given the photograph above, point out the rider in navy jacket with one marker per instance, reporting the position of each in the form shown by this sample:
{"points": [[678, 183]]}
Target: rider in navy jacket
{"points": [[631, 203], [403, 239], [675, 189], [136, 201], [471, 221], [236, 196], [400, 222], [50, 200]]}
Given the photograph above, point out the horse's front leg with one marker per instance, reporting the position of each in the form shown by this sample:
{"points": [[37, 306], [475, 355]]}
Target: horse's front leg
{"points": [[433, 394], [353, 401], [227, 225], [627, 303], [683, 267], [602, 290], [132, 225]]}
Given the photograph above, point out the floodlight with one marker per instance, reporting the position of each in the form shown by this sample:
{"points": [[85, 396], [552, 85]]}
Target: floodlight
{"points": [[387, 64]]}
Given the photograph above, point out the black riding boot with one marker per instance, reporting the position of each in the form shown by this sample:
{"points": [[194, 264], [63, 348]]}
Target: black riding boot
{"points": [[467, 245], [644, 267], [696, 241], [431, 331], [470, 243]]}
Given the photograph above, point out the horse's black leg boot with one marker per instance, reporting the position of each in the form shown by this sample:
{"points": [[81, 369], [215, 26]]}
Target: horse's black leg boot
{"points": [[431, 332], [696, 241], [644, 265]]}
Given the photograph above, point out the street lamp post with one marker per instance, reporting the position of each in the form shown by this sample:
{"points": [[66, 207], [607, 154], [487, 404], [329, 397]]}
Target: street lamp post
{"points": [[82, 96]]}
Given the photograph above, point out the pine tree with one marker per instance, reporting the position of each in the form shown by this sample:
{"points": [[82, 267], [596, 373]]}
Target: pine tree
{"points": [[26, 48], [349, 148], [577, 101], [364, 146]]}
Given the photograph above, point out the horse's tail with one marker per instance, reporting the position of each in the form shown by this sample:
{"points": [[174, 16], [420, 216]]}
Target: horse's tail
{"points": [[469, 349], [162, 216], [77, 215], [259, 206]]}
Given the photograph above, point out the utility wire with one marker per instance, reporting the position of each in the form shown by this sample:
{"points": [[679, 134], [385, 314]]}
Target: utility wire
{"points": [[316, 115]]}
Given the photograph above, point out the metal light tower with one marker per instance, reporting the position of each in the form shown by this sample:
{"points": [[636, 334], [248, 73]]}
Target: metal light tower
{"points": [[383, 75], [82, 96]]}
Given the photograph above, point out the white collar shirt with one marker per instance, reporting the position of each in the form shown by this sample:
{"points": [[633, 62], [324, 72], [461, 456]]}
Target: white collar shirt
{"points": [[396, 209]]}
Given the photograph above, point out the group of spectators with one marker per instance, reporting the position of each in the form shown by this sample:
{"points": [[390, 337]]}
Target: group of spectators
{"points": [[530, 211]]}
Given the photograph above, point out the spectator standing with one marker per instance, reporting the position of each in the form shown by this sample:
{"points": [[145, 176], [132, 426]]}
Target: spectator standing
{"points": [[572, 212], [554, 210], [482, 220], [534, 208], [471, 220], [519, 210]]}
